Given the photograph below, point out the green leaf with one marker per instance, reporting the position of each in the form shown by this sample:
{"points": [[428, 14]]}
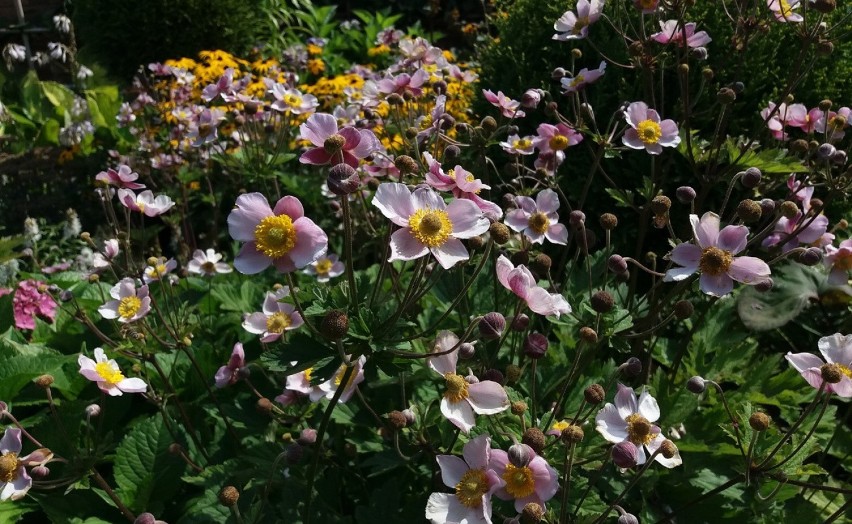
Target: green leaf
{"points": [[794, 287], [145, 472]]}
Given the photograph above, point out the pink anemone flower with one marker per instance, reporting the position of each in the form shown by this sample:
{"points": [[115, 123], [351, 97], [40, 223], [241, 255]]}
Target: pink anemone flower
{"points": [[123, 178], [538, 219], [207, 263], [837, 352], [713, 255], [282, 236], [520, 281], [107, 375], [145, 202], [328, 388], [515, 145], [348, 145], [631, 419], [461, 399], [15, 482], [404, 82], [428, 224], [537, 482], [228, 375], [463, 184], [783, 10], [556, 138], [292, 100], [276, 317], [647, 131], [673, 33], [156, 272], [799, 116], [583, 78], [508, 107], [325, 268], [838, 261], [572, 26], [473, 481], [129, 304]]}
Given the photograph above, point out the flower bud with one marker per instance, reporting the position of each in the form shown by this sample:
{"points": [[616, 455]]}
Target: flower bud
{"points": [[608, 221], [294, 453], [534, 438], [307, 437], [439, 86], [397, 420], [751, 177], [726, 96], [334, 325], [831, 373], [406, 164], [602, 302], [738, 87], [759, 421], [343, 180], [520, 258], [632, 367], [520, 455], [572, 434], [451, 152], [825, 47], [799, 146], [494, 375], [668, 449], [466, 350], [749, 211], [229, 496], [558, 73], [93, 410], [625, 454], [699, 53], [826, 151], [66, 296], [488, 124], [594, 394], [696, 385], [576, 218], [513, 373], [811, 256], [532, 513], [541, 264], [147, 518], [334, 143], [491, 325], [395, 100], [764, 285], [627, 518], [519, 407], [520, 322], [683, 309], [535, 345], [531, 98], [707, 74], [825, 7], [617, 264], [264, 405], [475, 243], [410, 417], [43, 381], [789, 209], [685, 194], [499, 233], [40, 472], [588, 335]]}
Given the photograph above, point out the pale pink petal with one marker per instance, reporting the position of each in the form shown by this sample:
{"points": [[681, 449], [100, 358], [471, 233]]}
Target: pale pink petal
{"points": [[251, 208], [557, 233], [425, 198], [250, 261], [316, 156], [636, 112], [687, 255], [648, 406], [517, 219], [444, 364], [132, 385], [732, 238], [109, 310], [547, 201], [843, 388], [748, 270], [459, 413], [625, 401], [631, 139], [488, 397], [311, 243], [289, 206], [706, 230], [477, 453], [405, 247], [503, 268], [836, 348], [255, 323], [318, 127], [11, 441], [452, 469], [718, 286], [395, 202], [679, 273], [449, 253], [610, 424], [467, 219]]}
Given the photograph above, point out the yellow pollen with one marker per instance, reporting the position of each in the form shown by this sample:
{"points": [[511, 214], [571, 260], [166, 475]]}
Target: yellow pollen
{"points": [[638, 429], [292, 100], [580, 24], [308, 373], [323, 266], [577, 80], [158, 271], [559, 426], [431, 227], [456, 388], [844, 369], [539, 222], [558, 142], [141, 206], [275, 236], [522, 143], [715, 261], [649, 131], [520, 482], [472, 486], [278, 322], [784, 8], [9, 467], [129, 306], [110, 375], [338, 378]]}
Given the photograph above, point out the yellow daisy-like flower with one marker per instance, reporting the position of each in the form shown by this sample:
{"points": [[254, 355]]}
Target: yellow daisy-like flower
{"points": [[316, 66]]}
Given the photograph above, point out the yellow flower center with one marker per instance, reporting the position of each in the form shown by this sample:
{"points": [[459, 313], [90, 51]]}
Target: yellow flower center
{"points": [[157, 272], [278, 322], [208, 267], [9, 467], [638, 429], [784, 8], [323, 266], [559, 426], [275, 236], [520, 482], [715, 261], [292, 100], [522, 143], [432, 227], [580, 24], [649, 131], [456, 388], [338, 378], [558, 142], [308, 373], [472, 486], [844, 369], [141, 206], [129, 306], [577, 80], [110, 375], [539, 222]]}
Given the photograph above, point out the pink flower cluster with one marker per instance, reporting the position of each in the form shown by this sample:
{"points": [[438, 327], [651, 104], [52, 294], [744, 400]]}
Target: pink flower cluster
{"points": [[830, 123], [30, 301]]}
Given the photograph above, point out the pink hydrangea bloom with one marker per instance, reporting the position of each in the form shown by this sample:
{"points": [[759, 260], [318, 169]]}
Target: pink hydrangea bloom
{"points": [[713, 255], [472, 479], [145, 202], [129, 304], [537, 482], [836, 350], [428, 223], [18, 482], [585, 77], [647, 131], [520, 281], [107, 375], [556, 138], [783, 10], [673, 33], [122, 178], [632, 419], [571, 26], [461, 399], [333, 146], [838, 261], [228, 374], [276, 317], [207, 263], [282, 236], [538, 219], [508, 107], [32, 300], [326, 268], [463, 184]]}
